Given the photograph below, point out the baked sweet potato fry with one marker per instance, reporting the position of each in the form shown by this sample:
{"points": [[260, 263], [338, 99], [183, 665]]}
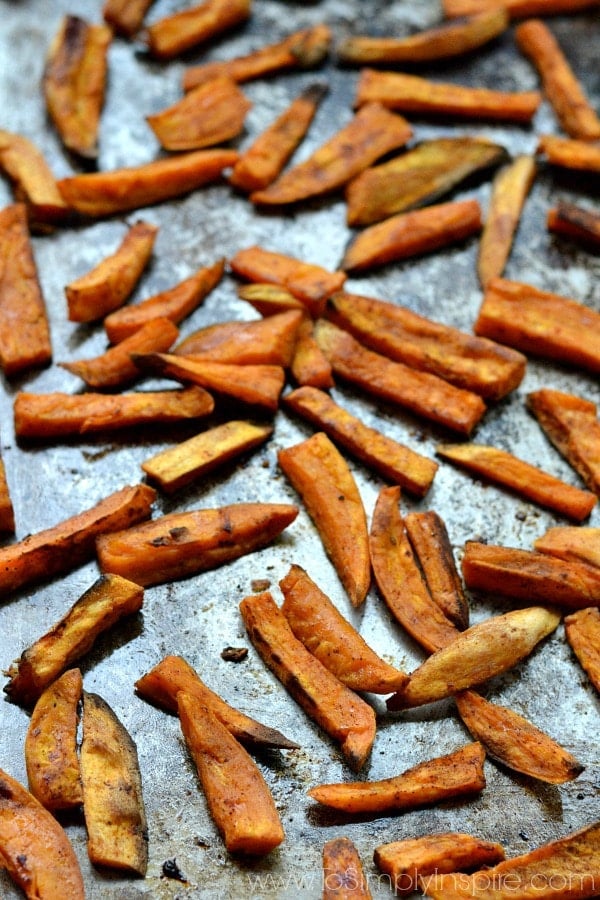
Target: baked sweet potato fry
{"points": [[34, 848], [99, 608], [108, 285], [237, 795], [339, 712], [269, 341], [51, 744], [7, 513], [576, 222], [458, 774], [178, 545], [320, 474], [517, 9], [113, 803], [421, 393], [385, 456], [125, 17], [309, 364], [343, 876], [269, 299], [33, 182], [582, 629], [570, 154], [195, 25], [571, 543]]}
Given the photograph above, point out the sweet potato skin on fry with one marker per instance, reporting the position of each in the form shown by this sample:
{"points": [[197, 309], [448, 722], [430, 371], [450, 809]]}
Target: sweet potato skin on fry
{"points": [[179, 32], [582, 629], [343, 877], [575, 222]]}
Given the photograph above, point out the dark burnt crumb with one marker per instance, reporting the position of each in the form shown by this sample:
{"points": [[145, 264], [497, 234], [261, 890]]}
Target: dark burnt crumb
{"points": [[260, 584], [581, 796], [523, 835], [170, 869], [234, 654], [521, 516], [204, 845]]}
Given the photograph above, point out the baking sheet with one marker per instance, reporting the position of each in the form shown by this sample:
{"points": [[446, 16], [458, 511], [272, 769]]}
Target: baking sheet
{"points": [[197, 618]]}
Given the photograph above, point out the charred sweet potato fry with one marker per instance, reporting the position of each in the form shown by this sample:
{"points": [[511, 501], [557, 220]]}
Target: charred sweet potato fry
{"points": [[125, 17], [99, 194], [34, 183], [51, 744], [99, 608], [7, 513], [412, 234], [372, 133], [421, 393], [70, 543], [343, 877], [34, 848], [309, 364], [321, 476], [339, 712], [582, 629], [113, 803], [570, 154], [108, 285], [458, 774], [269, 299], [269, 341], [390, 459], [519, 476], [237, 795], [570, 220], [561, 86], [24, 330], [179, 32], [182, 544], [517, 9], [571, 543]]}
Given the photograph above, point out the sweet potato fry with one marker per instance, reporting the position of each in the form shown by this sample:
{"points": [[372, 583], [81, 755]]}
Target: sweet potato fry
{"points": [[99, 608], [372, 133], [99, 194], [458, 774], [179, 32], [561, 86], [269, 341], [423, 394], [309, 364], [332, 639], [329, 492], [182, 544], [51, 744], [34, 848], [569, 154], [237, 795], [570, 220], [74, 83], [173, 674], [269, 299], [571, 543], [108, 285], [582, 629], [447, 40], [24, 331], [72, 542], [476, 364], [399, 580], [34, 183], [172, 469], [7, 513], [411, 94], [509, 191], [343, 876], [385, 456], [517, 9], [502, 468], [339, 712], [125, 17], [113, 803], [476, 655], [412, 234]]}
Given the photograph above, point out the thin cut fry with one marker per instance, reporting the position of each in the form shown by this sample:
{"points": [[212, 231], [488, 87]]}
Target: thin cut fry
{"points": [[309, 365], [571, 543], [517, 9], [269, 299], [34, 183], [343, 876], [7, 513], [569, 154], [570, 220], [269, 341], [582, 629], [125, 17], [177, 33]]}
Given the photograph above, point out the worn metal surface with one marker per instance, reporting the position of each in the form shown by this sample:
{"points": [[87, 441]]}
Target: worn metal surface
{"points": [[199, 617]]}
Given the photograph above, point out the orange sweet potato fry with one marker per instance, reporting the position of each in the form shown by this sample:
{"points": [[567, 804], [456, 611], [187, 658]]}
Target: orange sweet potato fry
{"points": [[125, 17], [34, 183], [195, 25], [517, 9], [423, 394], [309, 364], [343, 876], [321, 476], [570, 154], [458, 774], [269, 341], [527, 481], [570, 220], [571, 543], [7, 513], [237, 795], [582, 629], [269, 299], [339, 712]]}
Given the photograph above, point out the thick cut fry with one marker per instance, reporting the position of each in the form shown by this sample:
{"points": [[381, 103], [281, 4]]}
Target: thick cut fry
{"points": [[51, 744], [237, 795], [332, 639], [309, 365], [571, 543], [99, 608], [269, 341], [421, 393], [372, 133], [34, 848], [264, 160], [582, 629], [182, 544], [517, 9], [569, 154], [34, 183], [476, 364], [269, 299], [329, 492], [561, 86], [411, 94], [173, 674], [339, 712], [413, 234], [7, 513], [70, 543], [113, 804], [570, 220], [125, 17], [510, 189], [24, 330], [476, 655], [343, 876], [120, 190], [177, 33], [191, 459], [108, 285], [418, 177], [458, 774], [526, 480], [399, 580], [74, 83]]}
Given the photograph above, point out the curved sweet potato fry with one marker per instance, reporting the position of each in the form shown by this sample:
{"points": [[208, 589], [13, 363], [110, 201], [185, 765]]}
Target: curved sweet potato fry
{"points": [[573, 543], [343, 877], [34, 183], [570, 154], [267, 341], [179, 32]]}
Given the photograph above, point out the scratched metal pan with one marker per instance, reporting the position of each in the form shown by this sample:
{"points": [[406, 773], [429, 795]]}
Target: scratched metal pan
{"points": [[198, 617]]}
